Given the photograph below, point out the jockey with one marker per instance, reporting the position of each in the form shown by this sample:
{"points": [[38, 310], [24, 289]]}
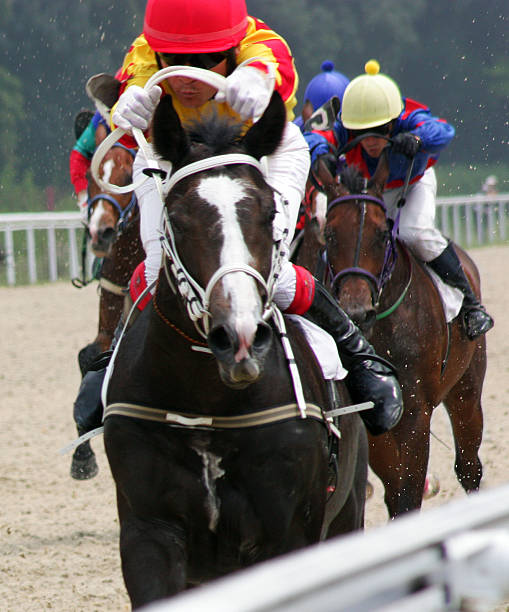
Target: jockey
{"points": [[372, 103], [91, 129], [220, 36], [81, 154], [322, 87]]}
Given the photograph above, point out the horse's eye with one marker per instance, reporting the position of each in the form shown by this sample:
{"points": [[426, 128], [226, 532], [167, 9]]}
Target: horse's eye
{"points": [[329, 234]]}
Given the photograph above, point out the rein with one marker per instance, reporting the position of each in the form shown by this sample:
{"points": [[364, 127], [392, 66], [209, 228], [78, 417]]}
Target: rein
{"points": [[391, 309], [79, 283]]}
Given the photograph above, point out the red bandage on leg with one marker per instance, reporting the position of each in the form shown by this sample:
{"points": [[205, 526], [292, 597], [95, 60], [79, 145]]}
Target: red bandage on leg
{"points": [[304, 291], [138, 284]]}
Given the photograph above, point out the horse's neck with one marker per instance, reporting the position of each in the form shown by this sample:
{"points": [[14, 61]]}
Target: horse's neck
{"points": [[171, 316], [400, 276], [310, 250], [127, 252]]}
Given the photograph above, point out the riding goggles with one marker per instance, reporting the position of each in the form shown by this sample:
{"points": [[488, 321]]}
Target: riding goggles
{"points": [[383, 130], [198, 60]]}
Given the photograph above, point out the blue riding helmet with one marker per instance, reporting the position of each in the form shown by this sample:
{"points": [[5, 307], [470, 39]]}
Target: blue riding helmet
{"points": [[325, 85]]}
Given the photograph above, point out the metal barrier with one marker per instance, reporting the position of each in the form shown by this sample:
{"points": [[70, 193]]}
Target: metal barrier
{"points": [[469, 220], [455, 557]]}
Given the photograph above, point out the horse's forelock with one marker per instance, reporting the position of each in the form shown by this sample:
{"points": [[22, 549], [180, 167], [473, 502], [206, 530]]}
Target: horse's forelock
{"points": [[352, 179], [216, 133]]}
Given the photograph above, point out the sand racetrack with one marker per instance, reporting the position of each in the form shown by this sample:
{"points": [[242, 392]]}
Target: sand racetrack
{"points": [[58, 536]]}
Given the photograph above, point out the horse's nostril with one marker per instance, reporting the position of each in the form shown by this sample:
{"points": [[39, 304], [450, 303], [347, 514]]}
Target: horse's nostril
{"points": [[219, 340], [263, 336], [108, 234]]}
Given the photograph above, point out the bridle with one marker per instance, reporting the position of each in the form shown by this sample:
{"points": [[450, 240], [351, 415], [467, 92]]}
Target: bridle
{"points": [[195, 297], [125, 216], [376, 283]]}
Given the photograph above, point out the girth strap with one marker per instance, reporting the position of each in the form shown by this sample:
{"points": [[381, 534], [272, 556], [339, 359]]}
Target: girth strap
{"points": [[104, 283], [261, 417]]}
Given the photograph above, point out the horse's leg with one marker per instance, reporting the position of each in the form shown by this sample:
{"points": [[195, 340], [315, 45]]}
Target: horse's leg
{"points": [[400, 459], [351, 515], [152, 555], [348, 501], [463, 405]]}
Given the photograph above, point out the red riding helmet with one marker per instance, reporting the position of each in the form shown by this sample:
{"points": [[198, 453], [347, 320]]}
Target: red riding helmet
{"points": [[197, 26]]}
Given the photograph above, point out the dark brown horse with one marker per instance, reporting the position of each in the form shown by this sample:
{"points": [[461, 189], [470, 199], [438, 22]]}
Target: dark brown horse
{"points": [[214, 467], [114, 236], [389, 293]]}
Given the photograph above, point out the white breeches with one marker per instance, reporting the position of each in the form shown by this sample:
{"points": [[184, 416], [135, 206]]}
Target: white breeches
{"points": [[287, 172], [417, 220]]}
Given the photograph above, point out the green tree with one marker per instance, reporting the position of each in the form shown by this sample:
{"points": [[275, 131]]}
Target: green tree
{"points": [[451, 56]]}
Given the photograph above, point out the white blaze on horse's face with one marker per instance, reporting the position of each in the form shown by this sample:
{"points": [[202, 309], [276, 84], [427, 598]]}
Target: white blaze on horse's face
{"points": [[320, 210], [99, 210], [223, 193]]}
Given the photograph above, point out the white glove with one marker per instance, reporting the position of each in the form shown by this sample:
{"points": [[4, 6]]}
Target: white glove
{"points": [[248, 91], [83, 205], [136, 106]]}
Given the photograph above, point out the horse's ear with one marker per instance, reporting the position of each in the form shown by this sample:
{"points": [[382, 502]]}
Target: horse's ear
{"points": [[169, 137], [266, 134], [326, 179], [379, 179], [103, 89]]}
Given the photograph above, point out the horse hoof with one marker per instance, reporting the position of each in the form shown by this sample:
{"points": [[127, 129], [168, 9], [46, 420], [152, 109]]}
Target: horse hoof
{"points": [[369, 490], [84, 466], [431, 487]]}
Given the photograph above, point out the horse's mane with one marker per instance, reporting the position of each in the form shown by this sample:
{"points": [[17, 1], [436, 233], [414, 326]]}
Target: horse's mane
{"points": [[215, 132], [352, 179]]}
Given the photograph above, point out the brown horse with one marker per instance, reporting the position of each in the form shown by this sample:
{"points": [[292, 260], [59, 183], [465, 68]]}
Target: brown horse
{"points": [[214, 467], [389, 293], [113, 227]]}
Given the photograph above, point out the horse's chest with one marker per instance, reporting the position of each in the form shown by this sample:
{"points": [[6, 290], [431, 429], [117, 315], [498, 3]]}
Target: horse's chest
{"points": [[211, 472]]}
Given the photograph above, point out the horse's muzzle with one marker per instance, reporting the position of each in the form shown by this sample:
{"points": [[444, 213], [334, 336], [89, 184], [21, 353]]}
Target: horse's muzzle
{"points": [[240, 362], [102, 241]]}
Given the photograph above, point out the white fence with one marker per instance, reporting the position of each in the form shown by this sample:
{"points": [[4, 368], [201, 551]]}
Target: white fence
{"points": [[47, 260], [474, 220], [455, 557], [28, 257]]}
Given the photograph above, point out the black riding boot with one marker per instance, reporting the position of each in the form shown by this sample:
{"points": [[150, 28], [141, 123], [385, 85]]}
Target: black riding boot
{"points": [[369, 376], [88, 408], [475, 318]]}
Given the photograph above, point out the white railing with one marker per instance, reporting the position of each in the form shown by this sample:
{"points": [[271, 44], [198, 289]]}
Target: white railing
{"points": [[44, 257], [474, 220], [454, 557], [469, 220]]}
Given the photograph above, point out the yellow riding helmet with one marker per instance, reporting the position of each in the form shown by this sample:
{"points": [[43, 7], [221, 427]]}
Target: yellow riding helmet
{"points": [[370, 100]]}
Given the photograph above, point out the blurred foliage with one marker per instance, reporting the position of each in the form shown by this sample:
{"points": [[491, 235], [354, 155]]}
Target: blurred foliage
{"points": [[451, 56]]}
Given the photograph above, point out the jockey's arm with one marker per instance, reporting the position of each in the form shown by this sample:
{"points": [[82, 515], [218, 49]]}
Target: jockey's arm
{"points": [[435, 133], [288, 169]]}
